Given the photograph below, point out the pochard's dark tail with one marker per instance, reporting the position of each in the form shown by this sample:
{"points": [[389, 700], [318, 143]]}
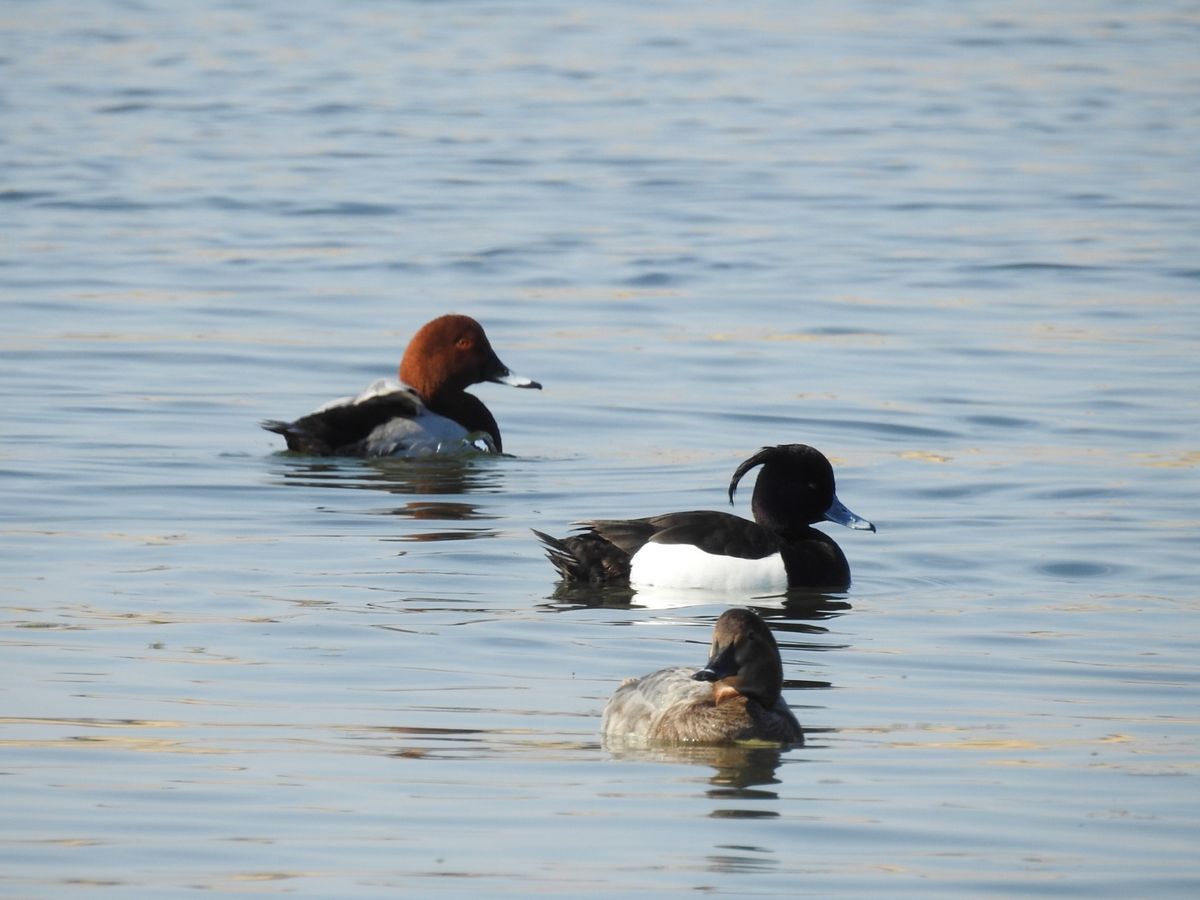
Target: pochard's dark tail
{"points": [[298, 439]]}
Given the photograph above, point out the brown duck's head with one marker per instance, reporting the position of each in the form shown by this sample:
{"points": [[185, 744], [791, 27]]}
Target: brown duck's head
{"points": [[744, 659]]}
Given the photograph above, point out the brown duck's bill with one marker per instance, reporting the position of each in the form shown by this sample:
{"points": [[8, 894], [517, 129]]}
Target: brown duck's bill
{"points": [[722, 665]]}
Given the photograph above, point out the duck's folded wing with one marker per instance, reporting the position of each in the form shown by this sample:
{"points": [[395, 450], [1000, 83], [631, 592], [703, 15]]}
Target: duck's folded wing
{"points": [[628, 535], [341, 427], [719, 533]]}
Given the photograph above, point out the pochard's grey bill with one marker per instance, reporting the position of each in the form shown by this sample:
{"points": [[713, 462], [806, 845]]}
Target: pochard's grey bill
{"points": [[516, 381], [842, 516]]}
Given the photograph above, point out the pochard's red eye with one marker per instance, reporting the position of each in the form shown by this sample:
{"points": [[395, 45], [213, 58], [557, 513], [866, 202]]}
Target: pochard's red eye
{"points": [[464, 343]]}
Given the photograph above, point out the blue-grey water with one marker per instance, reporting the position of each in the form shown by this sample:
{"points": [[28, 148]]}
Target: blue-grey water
{"points": [[953, 245]]}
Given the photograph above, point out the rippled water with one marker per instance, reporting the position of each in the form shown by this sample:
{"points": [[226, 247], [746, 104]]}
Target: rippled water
{"points": [[952, 245]]}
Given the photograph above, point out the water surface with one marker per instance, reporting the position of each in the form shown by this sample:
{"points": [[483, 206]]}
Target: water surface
{"points": [[953, 246]]}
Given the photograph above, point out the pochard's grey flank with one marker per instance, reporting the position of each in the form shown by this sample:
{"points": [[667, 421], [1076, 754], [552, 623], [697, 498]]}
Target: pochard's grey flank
{"points": [[427, 411], [779, 550]]}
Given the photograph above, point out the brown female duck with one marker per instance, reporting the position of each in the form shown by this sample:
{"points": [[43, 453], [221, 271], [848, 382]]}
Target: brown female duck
{"points": [[735, 697]]}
